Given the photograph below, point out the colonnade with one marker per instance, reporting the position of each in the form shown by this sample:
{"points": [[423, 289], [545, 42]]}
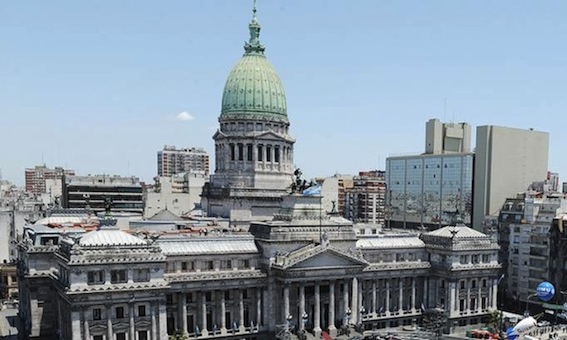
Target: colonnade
{"points": [[260, 154], [217, 312]]}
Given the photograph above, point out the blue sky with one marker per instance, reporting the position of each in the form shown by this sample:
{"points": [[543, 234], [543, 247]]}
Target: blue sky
{"points": [[96, 85]]}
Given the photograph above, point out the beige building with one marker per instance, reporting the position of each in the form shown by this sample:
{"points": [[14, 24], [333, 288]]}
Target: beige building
{"points": [[507, 160], [447, 137], [179, 194], [172, 161]]}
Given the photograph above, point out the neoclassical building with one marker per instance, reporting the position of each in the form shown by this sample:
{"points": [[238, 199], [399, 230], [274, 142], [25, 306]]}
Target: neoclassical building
{"points": [[303, 268], [253, 147]]}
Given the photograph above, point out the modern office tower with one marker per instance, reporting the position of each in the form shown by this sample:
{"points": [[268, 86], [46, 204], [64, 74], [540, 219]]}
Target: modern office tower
{"points": [[527, 221], [124, 194], [507, 160], [435, 188], [172, 161], [365, 201], [37, 177], [429, 190], [447, 137], [253, 148]]}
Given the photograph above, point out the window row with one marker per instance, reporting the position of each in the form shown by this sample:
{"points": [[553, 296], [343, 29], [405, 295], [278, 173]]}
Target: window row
{"points": [[118, 312], [117, 276], [191, 266]]}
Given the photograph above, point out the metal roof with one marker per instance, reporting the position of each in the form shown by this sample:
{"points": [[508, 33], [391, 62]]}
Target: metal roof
{"points": [[208, 245], [390, 242], [110, 237]]}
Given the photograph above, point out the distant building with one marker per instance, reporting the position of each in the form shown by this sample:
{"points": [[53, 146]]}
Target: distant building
{"points": [[507, 161], [125, 193], [8, 281], [37, 177], [433, 189], [525, 226], [447, 137], [333, 191], [178, 194], [172, 161], [365, 201]]}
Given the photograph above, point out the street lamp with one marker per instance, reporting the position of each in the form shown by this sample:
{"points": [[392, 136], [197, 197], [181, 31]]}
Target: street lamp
{"points": [[527, 312], [288, 323], [304, 318]]}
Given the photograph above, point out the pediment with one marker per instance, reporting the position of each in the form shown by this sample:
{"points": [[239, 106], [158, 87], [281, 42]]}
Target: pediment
{"points": [[219, 135], [271, 136], [325, 258]]}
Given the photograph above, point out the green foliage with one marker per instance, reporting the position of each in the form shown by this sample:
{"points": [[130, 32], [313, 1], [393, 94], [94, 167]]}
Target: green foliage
{"points": [[179, 335]]}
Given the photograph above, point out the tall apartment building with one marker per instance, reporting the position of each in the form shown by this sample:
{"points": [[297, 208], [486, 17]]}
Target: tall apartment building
{"points": [[507, 160], [125, 193], [528, 222], [171, 161], [433, 189], [365, 201], [37, 177]]}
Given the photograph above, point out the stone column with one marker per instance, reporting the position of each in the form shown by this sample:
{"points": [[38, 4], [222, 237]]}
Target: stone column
{"points": [[286, 300], [468, 302], [387, 297], [86, 329], [182, 311], [223, 313], [204, 330], [360, 301], [109, 332], [317, 316], [132, 334], [301, 304], [154, 324], [241, 310], [425, 295], [345, 301], [332, 328], [494, 293], [354, 304], [374, 305], [259, 308], [413, 279], [76, 323], [452, 299], [162, 321], [401, 295]]}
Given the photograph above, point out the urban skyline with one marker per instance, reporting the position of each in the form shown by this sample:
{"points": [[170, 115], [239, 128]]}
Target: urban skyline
{"points": [[108, 85]]}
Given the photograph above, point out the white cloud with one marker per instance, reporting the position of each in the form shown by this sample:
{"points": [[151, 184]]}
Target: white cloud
{"points": [[184, 116]]}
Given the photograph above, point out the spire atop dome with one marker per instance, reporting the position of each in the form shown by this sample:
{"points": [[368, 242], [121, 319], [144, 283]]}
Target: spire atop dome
{"points": [[253, 46]]}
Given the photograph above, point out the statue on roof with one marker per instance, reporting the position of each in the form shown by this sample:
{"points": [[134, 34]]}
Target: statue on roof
{"points": [[298, 185]]}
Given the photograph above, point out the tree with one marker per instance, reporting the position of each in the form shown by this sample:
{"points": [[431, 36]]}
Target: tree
{"points": [[179, 335], [434, 320]]}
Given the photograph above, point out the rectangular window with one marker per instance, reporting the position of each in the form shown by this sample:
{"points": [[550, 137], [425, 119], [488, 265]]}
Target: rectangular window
{"points": [[120, 336], [232, 153], [268, 153], [142, 335], [260, 153], [97, 314], [189, 297], [118, 276], [246, 263], [183, 265], [250, 149], [240, 152], [228, 264], [142, 310], [142, 275], [98, 337], [210, 265], [95, 277], [277, 155], [119, 311]]}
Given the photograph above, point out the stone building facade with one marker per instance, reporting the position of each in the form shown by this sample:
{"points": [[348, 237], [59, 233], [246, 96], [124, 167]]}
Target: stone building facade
{"points": [[303, 267]]}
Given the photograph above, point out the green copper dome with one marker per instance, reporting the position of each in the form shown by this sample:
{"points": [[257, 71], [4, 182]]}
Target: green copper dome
{"points": [[253, 89]]}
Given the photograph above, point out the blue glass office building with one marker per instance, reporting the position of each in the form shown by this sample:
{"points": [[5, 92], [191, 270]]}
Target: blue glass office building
{"points": [[430, 190]]}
